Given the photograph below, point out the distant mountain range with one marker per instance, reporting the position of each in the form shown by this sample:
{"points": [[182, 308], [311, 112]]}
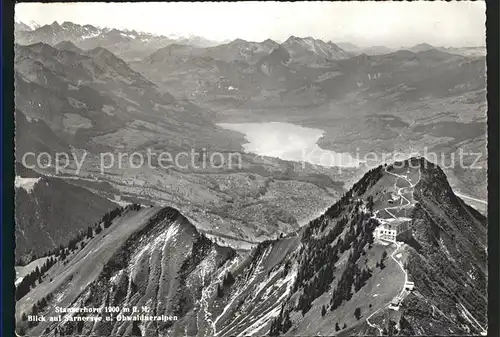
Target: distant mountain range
{"points": [[331, 277], [128, 44], [133, 45], [304, 72], [20, 26], [379, 50]]}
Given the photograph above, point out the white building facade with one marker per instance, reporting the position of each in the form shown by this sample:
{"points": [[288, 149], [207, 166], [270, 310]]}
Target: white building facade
{"points": [[389, 230]]}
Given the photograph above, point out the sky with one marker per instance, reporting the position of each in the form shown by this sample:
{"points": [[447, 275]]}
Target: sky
{"points": [[392, 24]]}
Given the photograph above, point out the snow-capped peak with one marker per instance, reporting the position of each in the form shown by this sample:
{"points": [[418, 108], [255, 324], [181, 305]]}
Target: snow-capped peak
{"points": [[31, 25]]}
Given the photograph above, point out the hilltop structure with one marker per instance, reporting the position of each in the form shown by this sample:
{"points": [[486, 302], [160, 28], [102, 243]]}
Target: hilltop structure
{"points": [[391, 229]]}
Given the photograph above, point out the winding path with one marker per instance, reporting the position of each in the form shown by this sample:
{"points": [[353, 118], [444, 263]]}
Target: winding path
{"points": [[401, 295], [398, 244], [373, 325]]}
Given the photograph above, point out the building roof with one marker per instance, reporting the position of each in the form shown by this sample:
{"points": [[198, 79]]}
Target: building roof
{"points": [[396, 222]]}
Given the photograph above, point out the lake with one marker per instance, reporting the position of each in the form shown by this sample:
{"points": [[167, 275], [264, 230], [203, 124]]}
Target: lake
{"points": [[289, 142]]}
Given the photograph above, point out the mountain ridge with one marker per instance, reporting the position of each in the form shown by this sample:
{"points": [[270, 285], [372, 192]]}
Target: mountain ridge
{"points": [[129, 44], [281, 287]]}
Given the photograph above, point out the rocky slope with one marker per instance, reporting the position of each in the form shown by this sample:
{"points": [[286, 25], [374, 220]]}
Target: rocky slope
{"points": [[50, 211], [310, 50], [81, 94], [331, 277]]}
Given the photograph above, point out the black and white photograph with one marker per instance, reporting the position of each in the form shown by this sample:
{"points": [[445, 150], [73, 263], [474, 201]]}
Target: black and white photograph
{"points": [[219, 169]]}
